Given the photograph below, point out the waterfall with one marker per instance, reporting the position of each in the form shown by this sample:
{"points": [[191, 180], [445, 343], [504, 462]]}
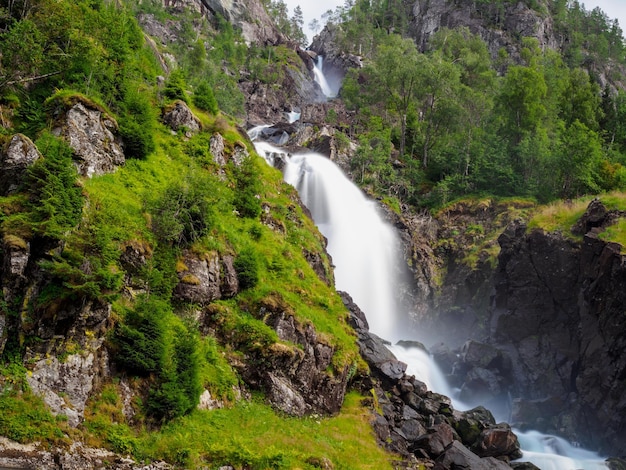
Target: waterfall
{"points": [[320, 78], [365, 251]]}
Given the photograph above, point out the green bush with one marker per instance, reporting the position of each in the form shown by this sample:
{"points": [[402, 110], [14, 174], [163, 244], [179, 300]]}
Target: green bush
{"points": [[56, 199], [247, 188], [183, 214], [138, 139], [179, 389], [204, 98], [247, 267], [175, 86], [137, 124], [140, 340]]}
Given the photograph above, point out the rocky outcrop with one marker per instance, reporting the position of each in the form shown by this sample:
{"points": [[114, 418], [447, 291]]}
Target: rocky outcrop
{"points": [[500, 26], [295, 372], [77, 457], [18, 154], [203, 279], [179, 117], [93, 136], [272, 102], [559, 313], [64, 386], [422, 425], [249, 17]]}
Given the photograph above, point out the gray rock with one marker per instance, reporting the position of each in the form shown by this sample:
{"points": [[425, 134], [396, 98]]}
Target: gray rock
{"points": [[457, 456], [15, 158], [200, 280], [216, 146], [180, 118], [64, 386], [94, 138]]}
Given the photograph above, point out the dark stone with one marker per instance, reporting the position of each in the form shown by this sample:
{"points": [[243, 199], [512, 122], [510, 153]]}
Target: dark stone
{"points": [[457, 456], [497, 441], [436, 441]]}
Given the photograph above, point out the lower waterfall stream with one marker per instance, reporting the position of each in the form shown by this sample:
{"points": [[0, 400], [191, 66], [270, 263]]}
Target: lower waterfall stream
{"points": [[365, 251]]}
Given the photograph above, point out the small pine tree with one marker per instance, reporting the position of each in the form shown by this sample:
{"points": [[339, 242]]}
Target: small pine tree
{"points": [[204, 98]]}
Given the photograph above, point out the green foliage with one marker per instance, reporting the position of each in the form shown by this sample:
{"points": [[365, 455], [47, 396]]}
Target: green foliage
{"points": [[248, 186], [176, 86], [25, 418], [137, 124], [247, 267], [55, 198], [183, 214], [204, 98], [140, 341], [239, 436]]}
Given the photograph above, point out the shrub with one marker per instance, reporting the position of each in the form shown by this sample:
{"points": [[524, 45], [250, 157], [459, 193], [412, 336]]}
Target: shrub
{"points": [[140, 340], [204, 98], [179, 389], [138, 139], [175, 86], [247, 188], [247, 267], [183, 214], [56, 200]]}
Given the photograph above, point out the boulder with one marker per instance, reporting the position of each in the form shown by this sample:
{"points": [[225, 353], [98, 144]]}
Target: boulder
{"points": [[179, 117], [497, 440], [93, 136], [18, 154], [437, 440], [456, 456]]}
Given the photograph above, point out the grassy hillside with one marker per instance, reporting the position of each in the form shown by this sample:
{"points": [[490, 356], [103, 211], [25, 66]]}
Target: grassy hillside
{"points": [[170, 200]]}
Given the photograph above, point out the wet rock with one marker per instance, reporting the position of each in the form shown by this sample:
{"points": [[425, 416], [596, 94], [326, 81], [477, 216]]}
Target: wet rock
{"points": [[19, 153], [437, 440], [457, 456], [497, 440], [470, 424]]}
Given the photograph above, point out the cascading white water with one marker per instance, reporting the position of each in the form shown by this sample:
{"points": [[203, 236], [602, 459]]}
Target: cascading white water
{"points": [[321, 80], [364, 250]]}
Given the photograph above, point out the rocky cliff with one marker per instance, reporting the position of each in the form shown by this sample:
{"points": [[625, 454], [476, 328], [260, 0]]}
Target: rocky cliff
{"points": [[537, 336]]}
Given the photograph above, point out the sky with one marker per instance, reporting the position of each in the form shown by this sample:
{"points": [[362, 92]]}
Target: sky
{"points": [[313, 9]]}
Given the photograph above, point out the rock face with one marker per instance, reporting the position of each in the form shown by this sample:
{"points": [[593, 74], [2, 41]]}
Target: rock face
{"points": [[559, 310], [544, 326], [206, 278], [498, 27], [76, 457], [93, 136], [294, 373], [18, 154], [249, 16]]}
